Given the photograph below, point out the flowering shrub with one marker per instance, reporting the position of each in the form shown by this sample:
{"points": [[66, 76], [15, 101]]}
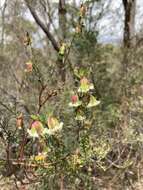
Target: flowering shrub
{"points": [[40, 139], [66, 139]]}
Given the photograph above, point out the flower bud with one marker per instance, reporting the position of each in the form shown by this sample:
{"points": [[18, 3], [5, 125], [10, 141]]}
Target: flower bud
{"points": [[29, 67], [74, 99], [37, 125], [19, 121], [83, 10]]}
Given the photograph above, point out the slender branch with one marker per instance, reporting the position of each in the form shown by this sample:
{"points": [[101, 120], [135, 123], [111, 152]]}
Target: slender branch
{"points": [[43, 27]]}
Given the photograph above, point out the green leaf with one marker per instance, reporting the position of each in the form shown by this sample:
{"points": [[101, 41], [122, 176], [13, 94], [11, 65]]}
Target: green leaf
{"points": [[34, 117], [43, 118], [80, 73]]}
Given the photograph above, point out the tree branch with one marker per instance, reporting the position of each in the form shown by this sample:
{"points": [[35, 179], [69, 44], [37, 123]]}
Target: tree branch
{"points": [[43, 27]]}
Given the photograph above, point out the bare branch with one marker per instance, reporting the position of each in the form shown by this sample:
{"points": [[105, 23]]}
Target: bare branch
{"points": [[43, 27]]}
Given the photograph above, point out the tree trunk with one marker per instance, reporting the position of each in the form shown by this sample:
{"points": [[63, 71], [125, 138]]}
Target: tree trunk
{"points": [[63, 32], [129, 22], [3, 23], [62, 18], [128, 41]]}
